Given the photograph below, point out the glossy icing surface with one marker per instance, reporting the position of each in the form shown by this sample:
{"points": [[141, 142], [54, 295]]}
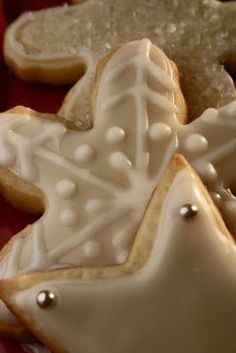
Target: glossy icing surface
{"points": [[95, 184], [196, 142], [14, 92], [98, 183], [183, 291]]}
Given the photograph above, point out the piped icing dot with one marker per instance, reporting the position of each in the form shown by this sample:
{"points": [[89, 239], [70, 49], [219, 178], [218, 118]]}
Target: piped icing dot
{"points": [[66, 188], [118, 160], [94, 205], [7, 159], [84, 154], [122, 256], [92, 248], [216, 197], [159, 131], [207, 171], [119, 239], [196, 143], [68, 217], [115, 135]]}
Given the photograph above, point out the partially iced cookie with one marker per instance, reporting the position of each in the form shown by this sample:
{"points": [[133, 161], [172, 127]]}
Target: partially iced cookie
{"points": [[57, 45], [176, 291]]}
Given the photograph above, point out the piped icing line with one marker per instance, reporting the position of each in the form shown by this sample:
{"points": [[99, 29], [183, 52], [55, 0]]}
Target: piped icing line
{"points": [[43, 258], [210, 147], [188, 252], [158, 73], [122, 173], [80, 173], [134, 172], [219, 153], [137, 91], [139, 153]]}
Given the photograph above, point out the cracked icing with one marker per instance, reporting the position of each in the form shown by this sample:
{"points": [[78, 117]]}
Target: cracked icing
{"points": [[95, 208], [196, 34]]}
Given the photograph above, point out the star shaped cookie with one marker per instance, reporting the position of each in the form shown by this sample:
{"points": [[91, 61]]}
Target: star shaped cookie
{"points": [[176, 293]]}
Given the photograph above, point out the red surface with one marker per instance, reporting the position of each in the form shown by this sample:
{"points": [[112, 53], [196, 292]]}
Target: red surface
{"points": [[37, 96]]}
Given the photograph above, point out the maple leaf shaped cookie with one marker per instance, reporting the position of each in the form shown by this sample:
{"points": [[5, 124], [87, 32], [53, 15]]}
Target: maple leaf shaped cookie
{"points": [[96, 183], [180, 296], [199, 35]]}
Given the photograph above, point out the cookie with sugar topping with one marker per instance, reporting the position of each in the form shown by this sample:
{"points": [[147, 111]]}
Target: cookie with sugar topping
{"points": [[182, 251], [199, 35]]}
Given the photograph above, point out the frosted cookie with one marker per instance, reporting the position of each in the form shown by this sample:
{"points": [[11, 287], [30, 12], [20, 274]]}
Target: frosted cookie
{"points": [[90, 181], [178, 282], [97, 183], [199, 35]]}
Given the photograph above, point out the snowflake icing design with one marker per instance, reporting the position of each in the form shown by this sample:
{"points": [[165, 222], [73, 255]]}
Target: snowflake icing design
{"points": [[98, 182]]}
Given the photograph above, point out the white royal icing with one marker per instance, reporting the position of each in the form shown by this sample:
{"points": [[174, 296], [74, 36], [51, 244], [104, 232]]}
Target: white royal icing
{"points": [[115, 181], [159, 131], [84, 154], [87, 197], [119, 161], [68, 217], [92, 248], [174, 303], [66, 188], [115, 135], [196, 143]]}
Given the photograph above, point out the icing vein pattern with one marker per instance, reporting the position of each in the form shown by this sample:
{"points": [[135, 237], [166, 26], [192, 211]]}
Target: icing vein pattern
{"points": [[98, 182], [106, 204]]}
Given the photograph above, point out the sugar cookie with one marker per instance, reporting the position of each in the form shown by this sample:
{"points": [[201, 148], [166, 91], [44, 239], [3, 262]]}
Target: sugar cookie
{"points": [[91, 180], [97, 183], [178, 283], [198, 35]]}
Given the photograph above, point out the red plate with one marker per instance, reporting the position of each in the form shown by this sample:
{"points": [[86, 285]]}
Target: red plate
{"points": [[13, 92]]}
